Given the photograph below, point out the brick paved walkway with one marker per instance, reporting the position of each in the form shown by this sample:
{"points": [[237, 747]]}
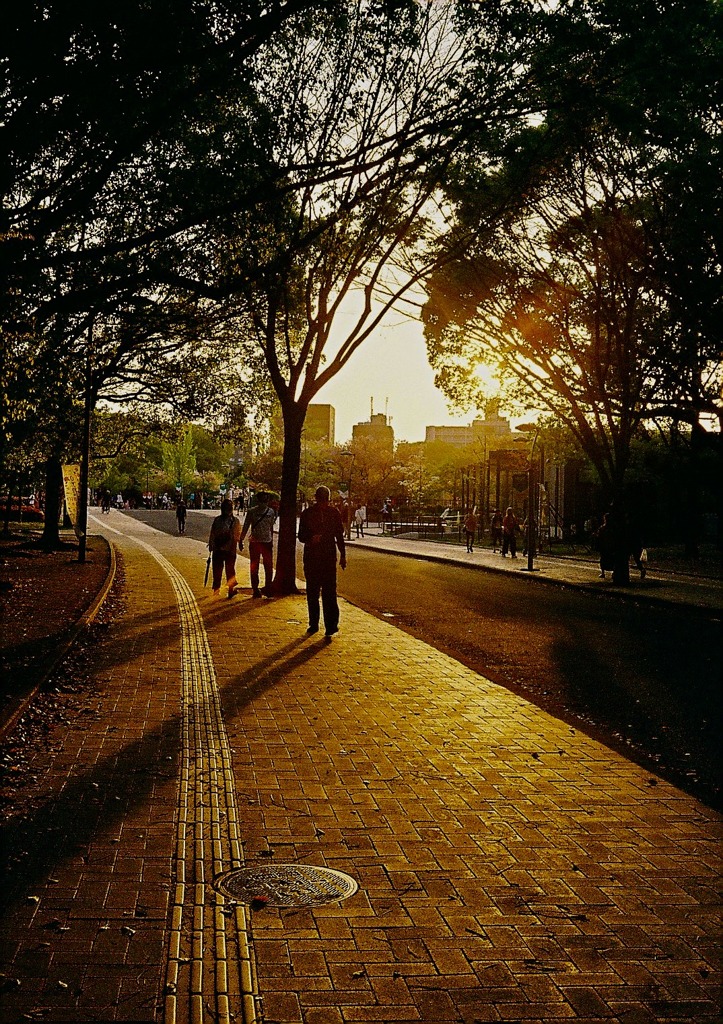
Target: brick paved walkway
{"points": [[509, 867]]}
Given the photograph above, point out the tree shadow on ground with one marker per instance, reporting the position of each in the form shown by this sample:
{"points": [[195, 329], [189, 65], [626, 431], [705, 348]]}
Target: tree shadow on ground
{"points": [[97, 800], [672, 728]]}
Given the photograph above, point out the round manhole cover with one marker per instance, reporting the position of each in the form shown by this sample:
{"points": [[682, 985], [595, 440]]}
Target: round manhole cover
{"points": [[287, 885]]}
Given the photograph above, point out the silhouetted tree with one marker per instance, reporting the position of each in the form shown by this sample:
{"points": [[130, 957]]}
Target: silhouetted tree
{"points": [[368, 113], [598, 289]]}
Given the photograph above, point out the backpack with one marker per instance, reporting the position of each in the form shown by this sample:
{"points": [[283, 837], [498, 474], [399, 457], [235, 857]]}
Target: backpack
{"points": [[222, 533]]}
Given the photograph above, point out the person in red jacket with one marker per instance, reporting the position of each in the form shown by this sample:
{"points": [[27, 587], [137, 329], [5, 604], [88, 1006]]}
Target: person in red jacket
{"points": [[321, 531]]}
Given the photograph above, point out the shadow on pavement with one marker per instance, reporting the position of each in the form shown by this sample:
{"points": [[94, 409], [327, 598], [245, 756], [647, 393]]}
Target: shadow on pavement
{"points": [[98, 800]]}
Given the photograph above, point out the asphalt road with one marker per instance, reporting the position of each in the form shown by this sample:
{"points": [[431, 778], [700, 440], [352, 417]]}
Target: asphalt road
{"points": [[644, 679]]}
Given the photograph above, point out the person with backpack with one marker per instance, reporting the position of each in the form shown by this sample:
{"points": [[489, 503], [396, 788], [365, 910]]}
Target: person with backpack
{"points": [[260, 520], [222, 541]]}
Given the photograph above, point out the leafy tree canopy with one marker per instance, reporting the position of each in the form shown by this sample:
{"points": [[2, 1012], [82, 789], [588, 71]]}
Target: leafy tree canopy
{"points": [[588, 271], [116, 156]]}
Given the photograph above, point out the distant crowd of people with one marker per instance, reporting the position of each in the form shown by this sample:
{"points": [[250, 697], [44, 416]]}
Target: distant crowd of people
{"points": [[619, 539]]}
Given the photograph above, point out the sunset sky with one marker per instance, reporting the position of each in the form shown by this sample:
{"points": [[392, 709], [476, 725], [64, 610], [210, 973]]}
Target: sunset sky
{"points": [[391, 364]]}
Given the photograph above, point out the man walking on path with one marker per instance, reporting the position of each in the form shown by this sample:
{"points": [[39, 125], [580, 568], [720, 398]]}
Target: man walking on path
{"points": [[496, 530], [321, 531], [509, 534], [359, 519], [222, 540], [260, 520], [181, 510], [346, 518], [470, 529]]}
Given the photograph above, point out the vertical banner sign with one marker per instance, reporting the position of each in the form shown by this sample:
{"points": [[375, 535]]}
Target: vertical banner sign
{"points": [[71, 486]]}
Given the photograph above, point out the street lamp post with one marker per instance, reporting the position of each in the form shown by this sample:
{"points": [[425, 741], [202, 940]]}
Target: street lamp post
{"points": [[530, 497], [85, 454], [351, 456]]}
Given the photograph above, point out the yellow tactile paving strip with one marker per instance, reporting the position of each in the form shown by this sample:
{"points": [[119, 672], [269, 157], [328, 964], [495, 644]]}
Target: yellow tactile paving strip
{"points": [[210, 968]]}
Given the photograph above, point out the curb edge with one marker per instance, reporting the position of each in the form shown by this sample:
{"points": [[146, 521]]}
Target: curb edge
{"points": [[621, 593]]}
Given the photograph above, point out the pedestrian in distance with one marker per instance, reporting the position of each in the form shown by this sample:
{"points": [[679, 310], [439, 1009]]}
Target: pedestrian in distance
{"points": [[222, 541], [260, 521], [181, 511], [510, 525], [321, 531], [359, 519], [470, 529], [496, 529], [346, 518], [605, 542]]}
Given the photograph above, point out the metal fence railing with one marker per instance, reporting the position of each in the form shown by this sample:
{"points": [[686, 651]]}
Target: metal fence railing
{"points": [[449, 529], [436, 527]]}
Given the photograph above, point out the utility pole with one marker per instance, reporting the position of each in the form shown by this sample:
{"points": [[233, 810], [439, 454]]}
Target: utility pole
{"points": [[85, 453], [530, 496]]}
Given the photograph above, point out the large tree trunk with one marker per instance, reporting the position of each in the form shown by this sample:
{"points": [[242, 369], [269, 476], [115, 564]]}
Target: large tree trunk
{"points": [[621, 551], [285, 577], [620, 532], [9, 505], [691, 493], [53, 485], [612, 479]]}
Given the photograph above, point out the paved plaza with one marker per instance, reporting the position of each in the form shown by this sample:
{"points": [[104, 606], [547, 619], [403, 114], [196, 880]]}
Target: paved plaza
{"points": [[508, 867]]}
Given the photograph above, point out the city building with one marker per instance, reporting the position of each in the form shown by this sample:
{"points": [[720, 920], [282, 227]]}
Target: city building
{"points": [[492, 431], [320, 423], [377, 429], [458, 436]]}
